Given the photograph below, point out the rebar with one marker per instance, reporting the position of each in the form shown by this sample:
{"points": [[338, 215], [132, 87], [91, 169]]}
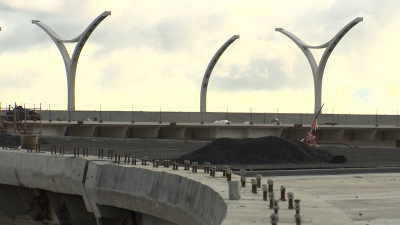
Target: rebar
{"points": [[265, 192], [258, 177], [290, 196], [283, 189], [254, 186]]}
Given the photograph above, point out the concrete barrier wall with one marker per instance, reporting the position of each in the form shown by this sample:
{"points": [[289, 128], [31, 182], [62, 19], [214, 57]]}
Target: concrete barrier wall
{"points": [[210, 117], [91, 185], [160, 194]]}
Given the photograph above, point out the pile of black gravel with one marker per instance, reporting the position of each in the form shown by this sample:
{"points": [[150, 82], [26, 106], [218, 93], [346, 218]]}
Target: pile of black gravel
{"points": [[263, 150], [10, 138], [17, 139]]}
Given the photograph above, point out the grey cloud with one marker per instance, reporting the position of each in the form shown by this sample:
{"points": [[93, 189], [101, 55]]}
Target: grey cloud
{"points": [[332, 19], [20, 35], [263, 74], [167, 36], [109, 78]]}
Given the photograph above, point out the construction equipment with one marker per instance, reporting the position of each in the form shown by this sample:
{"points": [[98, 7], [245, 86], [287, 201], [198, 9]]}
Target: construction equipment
{"points": [[309, 138], [19, 113]]}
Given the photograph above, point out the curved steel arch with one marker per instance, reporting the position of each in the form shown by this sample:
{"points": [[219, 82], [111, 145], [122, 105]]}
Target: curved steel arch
{"points": [[70, 65], [210, 67], [318, 70]]}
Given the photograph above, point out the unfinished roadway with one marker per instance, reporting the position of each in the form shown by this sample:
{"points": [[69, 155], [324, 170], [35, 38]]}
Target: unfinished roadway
{"points": [[68, 189]]}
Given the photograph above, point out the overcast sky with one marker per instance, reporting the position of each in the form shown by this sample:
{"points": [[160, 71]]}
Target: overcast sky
{"points": [[153, 54]]}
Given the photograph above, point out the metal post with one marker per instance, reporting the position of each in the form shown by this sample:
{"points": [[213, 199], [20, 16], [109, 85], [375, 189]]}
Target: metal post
{"points": [[264, 117], [40, 118], [201, 115], [101, 119], [25, 115], [283, 190], [15, 118], [160, 115], [277, 113], [254, 186], [133, 115], [251, 116], [50, 113]]}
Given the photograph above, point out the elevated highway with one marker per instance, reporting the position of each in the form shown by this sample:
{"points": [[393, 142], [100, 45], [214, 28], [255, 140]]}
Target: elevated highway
{"points": [[353, 130]]}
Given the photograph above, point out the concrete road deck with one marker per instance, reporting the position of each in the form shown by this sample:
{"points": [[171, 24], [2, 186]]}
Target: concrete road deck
{"points": [[371, 199], [362, 199]]}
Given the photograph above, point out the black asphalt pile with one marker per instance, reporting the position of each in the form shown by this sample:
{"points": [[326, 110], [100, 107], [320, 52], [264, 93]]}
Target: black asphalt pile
{"points": [[10, 138], [264, 150], [338, 159], [17, 139]]}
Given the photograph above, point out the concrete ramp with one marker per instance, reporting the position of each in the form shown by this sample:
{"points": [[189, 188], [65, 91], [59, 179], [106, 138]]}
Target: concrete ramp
{"points": [[85, 189]]}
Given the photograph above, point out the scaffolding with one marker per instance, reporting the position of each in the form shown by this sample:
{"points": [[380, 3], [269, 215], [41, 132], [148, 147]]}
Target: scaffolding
{"points": [[20, 117]]}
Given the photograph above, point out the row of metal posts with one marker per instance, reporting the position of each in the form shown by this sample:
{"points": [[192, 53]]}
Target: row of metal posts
{"points": [[6, 145], [12, 145]]}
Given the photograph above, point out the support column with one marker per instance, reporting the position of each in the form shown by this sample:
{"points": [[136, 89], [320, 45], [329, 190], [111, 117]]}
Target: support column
{"points": [[210, 67], [36, 203], [72, 63], [318, 70], [10, 201], [78, 211], [60, 208]]}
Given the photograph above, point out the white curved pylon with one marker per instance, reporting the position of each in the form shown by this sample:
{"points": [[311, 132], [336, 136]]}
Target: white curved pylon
{"points": [[70, 65], [210, 67], [318, 70]]}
